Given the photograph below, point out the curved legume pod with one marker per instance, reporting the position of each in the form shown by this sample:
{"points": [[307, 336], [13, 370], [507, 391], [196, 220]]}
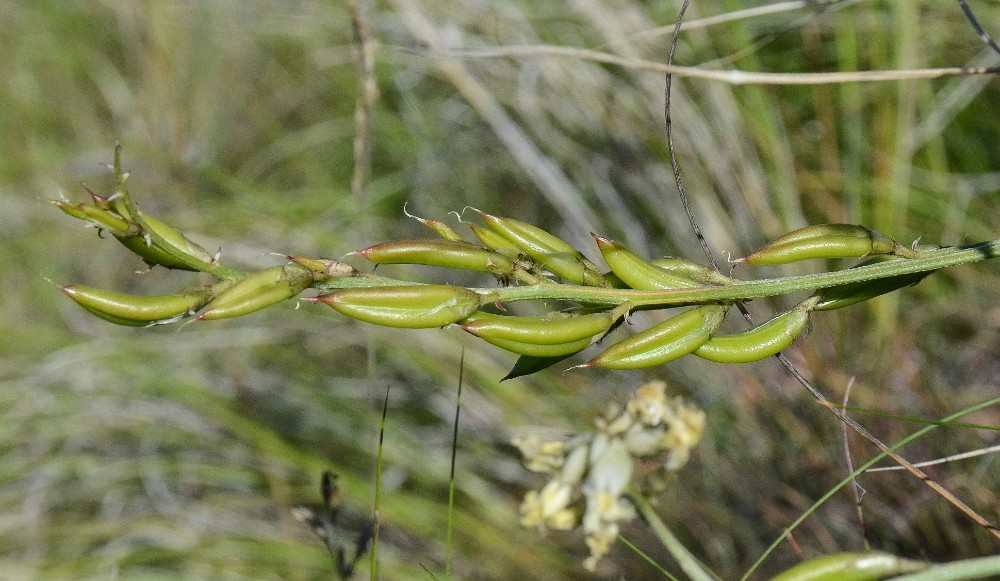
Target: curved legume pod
{"points": [[826, 241], [663, 342], [850, 567], [526, 236], [167, 253], [443, 230], [151, 254], [636, 272], [98, 216], [332, 268], [572, 268], [434, 252], [496, 242], [542, 350], [551, 329], [548, 251], [697, 272], [259, 290], [176, 239], [105, 218], [135, 310], [75, 210], [764, 340], [411, 307]]}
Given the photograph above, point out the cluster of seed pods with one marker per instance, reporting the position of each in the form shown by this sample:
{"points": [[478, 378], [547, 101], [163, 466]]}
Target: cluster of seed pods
{"points": [[514, 250], [515, 253]]}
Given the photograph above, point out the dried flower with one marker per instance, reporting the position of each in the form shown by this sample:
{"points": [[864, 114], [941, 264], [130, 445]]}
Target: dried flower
{"points": [[598, 466]]}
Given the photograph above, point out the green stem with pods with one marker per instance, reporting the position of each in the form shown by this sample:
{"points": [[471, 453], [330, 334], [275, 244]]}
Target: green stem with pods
{"points": [[926, 261]]}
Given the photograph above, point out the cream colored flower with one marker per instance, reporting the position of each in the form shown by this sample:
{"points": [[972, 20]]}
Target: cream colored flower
{"points": [[540, 454], [650, 403], [650, 424]]}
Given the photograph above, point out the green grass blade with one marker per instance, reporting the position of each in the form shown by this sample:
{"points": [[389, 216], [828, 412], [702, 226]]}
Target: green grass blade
{"points": [[858, 471], [451, 478]]}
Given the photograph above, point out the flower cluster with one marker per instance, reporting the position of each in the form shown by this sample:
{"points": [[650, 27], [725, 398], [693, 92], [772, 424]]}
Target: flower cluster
{"points": [[597, 466]]}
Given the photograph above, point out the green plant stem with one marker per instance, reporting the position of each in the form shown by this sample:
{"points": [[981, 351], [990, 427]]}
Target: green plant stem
{"points": [[688, 562], [659, 568], [927, 260]]}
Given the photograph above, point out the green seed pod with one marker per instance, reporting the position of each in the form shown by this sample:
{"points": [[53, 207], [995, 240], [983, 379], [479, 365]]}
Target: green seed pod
{"points": [[826, 241], [93, 214], [176, 239], [443, 230], [572, 268], [151, 254], [257, 291], [539, 350], [838, 297], [548, 251], [530, 239], [496, 242], [332, 268], [105, 218], [138, 311], [697, 272], [663, 342], [851, 567], [169, 249], [636, 272], [73, 210], [447, 253], [764, 340], [551, 329], [411, 307]]}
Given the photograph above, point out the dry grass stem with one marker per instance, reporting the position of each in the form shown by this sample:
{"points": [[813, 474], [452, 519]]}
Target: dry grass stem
{"points": [[730, 77]]}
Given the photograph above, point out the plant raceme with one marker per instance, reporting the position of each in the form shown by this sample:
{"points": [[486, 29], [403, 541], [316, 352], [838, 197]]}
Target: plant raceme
{"points": [[530, 264]]}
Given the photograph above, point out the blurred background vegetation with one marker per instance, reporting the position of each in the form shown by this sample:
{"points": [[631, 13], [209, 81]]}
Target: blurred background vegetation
{"points": [[178, 453]]}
